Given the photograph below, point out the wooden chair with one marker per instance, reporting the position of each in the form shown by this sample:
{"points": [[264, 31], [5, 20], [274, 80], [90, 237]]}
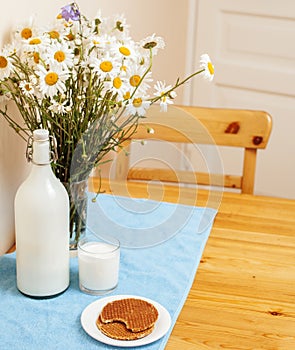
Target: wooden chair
{"points": [[246, 129]]}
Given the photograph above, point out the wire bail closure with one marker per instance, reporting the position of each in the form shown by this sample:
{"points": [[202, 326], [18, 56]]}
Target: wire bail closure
{"points": [[53, 147]]}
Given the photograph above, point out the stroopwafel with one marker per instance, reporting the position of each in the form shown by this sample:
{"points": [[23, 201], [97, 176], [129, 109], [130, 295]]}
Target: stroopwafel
{"points": [[118, 330], [137, 314]]}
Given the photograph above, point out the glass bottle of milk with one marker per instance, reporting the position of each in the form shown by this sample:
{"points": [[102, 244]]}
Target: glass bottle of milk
{"points": [[42, 226]]}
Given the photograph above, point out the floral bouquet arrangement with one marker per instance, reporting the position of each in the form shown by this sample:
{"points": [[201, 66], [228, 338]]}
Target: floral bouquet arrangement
{"points": [[86, 81]]}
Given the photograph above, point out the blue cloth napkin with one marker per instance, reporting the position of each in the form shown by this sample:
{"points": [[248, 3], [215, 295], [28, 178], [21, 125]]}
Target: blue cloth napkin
{"points": [[161, 268]]}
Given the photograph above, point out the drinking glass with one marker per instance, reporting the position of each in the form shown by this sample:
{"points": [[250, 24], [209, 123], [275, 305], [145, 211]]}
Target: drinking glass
{"points": [[99, 260]]}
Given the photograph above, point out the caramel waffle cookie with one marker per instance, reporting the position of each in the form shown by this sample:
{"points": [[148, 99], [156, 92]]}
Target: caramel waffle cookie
{"points": [[136, 314], [118, 330]]}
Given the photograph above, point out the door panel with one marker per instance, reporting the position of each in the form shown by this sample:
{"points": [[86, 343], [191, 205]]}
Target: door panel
{"points": [[251, 44]]}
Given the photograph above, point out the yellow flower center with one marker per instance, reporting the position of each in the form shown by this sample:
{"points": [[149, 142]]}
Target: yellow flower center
{"points": [[35, 41], [26, 33], [51, 78], [59, 56], [54, 34], [127, 95], [27, 87], [124, 68], [106, 66], [3, 62], [137, 102], [124, 51], [70, 36], [210, 68], [163, 97], [134, 80], [36, 57], [59, 16], [117, 83]]}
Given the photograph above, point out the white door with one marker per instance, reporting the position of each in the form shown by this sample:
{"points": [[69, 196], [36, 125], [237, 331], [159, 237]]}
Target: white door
{"points": [[252, 45]]}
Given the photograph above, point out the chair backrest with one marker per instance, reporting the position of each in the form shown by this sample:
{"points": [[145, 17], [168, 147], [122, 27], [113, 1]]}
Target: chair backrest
{"points": [[247, 129]]}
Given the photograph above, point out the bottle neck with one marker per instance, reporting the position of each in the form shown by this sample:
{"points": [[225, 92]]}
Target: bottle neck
{"points": [[41, 152], [41, 163]]}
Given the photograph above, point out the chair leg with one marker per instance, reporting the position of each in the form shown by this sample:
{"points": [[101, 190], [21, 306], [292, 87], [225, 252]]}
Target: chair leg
{"points": [[249, 170]]}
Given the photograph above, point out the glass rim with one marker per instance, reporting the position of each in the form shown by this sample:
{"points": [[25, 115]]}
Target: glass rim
{"points": [[114, 242]]}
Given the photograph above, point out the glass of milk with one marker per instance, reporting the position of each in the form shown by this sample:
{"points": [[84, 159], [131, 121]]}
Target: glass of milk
{"points": [[99, 261]]}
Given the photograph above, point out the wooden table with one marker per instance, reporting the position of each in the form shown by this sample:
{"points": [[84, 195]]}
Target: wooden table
{"points": [[243, 296]]}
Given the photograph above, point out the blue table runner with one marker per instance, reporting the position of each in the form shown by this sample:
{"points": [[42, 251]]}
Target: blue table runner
{"points": [[161, 270]]}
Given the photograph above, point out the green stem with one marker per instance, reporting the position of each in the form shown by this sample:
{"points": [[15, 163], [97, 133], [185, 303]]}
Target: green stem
{"points": [[145, 73], [176, 85]]}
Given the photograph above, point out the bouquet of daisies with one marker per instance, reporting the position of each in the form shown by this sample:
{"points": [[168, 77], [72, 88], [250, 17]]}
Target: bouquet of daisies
{"points": [[86, 81]]}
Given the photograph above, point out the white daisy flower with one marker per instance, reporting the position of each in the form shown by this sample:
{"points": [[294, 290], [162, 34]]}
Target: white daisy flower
{"points": [[117, 85], [60, 54], [153, 42], [52, 81], [5, 66], [208, 67], [135, 74], [26, 30], [60, 107], [95, 41], [33, 79], [98, 45], [107, 66], [121, 25], [69, 32], [124, 50], [116, 25], [96, 21], [27, 88], [165, 98], [137, 106], [32, 59], [35, 44], [11, 48], [56, 30]]}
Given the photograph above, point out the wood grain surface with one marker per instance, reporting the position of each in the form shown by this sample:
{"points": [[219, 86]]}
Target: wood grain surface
{"points": [[243, 296]]}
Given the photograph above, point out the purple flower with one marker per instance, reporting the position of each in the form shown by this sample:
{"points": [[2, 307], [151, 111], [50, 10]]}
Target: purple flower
{"points": [[70, 12]]}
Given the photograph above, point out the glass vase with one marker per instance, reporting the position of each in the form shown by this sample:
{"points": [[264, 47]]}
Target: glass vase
{"points": [[77, 192]]}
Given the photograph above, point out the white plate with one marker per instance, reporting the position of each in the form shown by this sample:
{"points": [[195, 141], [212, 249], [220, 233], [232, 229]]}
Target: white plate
{"points": [[91, 312]]}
